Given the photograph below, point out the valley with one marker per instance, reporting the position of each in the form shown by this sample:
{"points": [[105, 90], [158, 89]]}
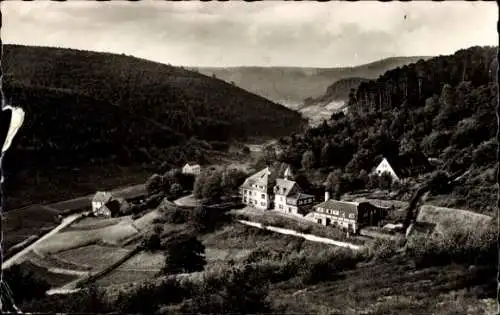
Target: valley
{"points": [[216, 239]]}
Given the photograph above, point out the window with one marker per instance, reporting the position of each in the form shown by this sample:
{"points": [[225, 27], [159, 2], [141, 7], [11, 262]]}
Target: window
{"points": [[319, 221], [335, 212], [262, 203], [262, 196], [289, 209], [351, 215], [281, 206]]}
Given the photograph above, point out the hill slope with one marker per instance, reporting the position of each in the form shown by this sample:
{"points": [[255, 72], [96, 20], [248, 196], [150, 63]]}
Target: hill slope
{"points": [[290, 86], [86, 109], [185, 101]]}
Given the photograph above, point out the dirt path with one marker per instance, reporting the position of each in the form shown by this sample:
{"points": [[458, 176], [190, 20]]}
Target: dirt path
{"points": [[187, 201], [65, 222], [309, 237]]}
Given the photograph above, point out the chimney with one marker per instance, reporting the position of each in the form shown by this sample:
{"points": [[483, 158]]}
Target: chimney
{"points": [[327, 195]]}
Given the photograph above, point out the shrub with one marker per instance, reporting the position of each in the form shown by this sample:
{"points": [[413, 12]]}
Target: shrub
{"points": [[176, 215], [184, 253], [382, 249], [462, 247]]}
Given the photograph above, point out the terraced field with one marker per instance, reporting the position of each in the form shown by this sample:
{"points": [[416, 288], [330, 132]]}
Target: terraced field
{"points": [[95, 257]]}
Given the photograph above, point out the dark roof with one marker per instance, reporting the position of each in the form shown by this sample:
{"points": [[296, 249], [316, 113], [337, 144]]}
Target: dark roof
{"points": [[283, 186], [410, 164], [346, 206]]}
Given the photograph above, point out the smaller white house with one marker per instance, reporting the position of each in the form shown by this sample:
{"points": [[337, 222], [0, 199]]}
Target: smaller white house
{"points": [[385, 167], [402, 167], [191, 169], [101, 198]]}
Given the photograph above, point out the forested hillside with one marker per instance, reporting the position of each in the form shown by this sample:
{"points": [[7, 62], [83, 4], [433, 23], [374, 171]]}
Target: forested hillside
{"points": [[187, 102], [97, 109], [444, 107], [338, 91]]}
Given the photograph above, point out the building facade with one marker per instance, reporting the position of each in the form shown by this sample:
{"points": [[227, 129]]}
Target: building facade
{"points": [[191, 169], [347, 215]]}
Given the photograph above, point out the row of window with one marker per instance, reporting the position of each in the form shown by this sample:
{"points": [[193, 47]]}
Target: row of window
{"points": [[305, 201], [253, 202], [253, 193], [335, 212]]}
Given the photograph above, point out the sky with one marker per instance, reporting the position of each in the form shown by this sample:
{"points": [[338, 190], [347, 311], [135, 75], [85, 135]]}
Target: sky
{"points": [[267, 33]]}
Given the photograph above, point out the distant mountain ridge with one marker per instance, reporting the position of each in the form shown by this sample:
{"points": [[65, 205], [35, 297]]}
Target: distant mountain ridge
{"points": [[290, 86]]}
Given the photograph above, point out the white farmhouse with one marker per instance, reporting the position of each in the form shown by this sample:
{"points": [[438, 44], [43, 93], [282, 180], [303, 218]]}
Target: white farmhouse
{"points": [[404, 166], [385, 167], [191, 169], [101, 198]]}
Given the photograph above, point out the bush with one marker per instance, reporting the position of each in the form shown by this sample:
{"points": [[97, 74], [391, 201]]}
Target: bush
{"points": [[383, 249], [184, 253], [176, 215], [206, 219], [147, 298], [237, 291], [326, 266], [462, 247]]}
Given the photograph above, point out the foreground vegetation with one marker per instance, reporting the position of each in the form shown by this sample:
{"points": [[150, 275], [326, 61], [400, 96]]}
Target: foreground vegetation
{"points": [[287, 274]]}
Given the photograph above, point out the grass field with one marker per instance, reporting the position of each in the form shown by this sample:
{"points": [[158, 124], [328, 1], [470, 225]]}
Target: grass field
{"points": [[92, 223], [447, 220], [54, 261], [144, 261], [18, 225], [118, 276], [74, 239], [62, 184], [96, 257]]}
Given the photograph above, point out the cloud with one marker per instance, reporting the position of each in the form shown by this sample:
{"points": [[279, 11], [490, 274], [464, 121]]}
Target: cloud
{"points": [[262, 33]]}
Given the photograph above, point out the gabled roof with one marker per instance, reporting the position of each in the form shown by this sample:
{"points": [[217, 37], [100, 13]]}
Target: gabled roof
{"points": [[346, 206], [409, 164], [284, 186], [192, 163], [102, 196], [262, 177]]}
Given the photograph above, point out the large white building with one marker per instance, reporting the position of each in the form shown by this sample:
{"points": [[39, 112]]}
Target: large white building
{"points": [[256, 191], [263, 190]]}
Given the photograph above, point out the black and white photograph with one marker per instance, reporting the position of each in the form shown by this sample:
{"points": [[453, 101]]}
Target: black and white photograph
{"points": [[249, 157]]}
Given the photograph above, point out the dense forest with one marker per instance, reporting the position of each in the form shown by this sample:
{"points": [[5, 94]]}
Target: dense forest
{"points": [[87, 109], [187, 102], [443, 107]]}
